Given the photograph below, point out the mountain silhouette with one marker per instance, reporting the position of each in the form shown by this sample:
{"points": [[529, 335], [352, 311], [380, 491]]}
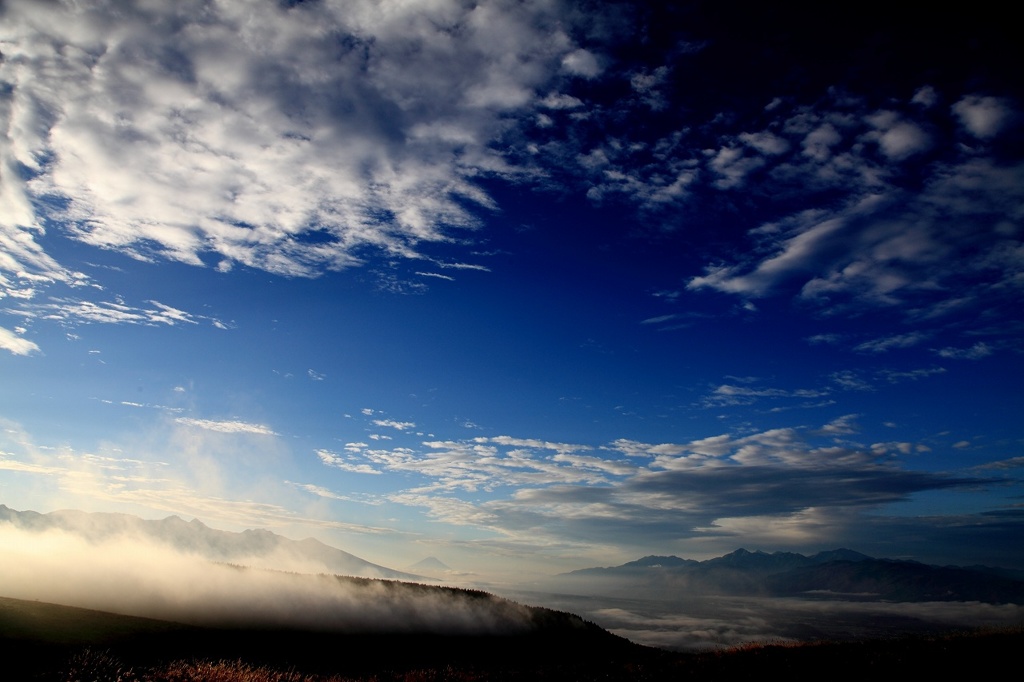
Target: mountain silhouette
{"points": [[429, 565], [839, 573], [197, 538]]}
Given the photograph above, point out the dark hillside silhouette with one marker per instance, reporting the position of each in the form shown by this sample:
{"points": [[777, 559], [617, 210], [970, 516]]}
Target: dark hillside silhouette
{"points": [[49, 642]]}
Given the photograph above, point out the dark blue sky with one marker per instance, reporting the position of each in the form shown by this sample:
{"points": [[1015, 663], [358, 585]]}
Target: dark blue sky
{"points": [[526, 286]]}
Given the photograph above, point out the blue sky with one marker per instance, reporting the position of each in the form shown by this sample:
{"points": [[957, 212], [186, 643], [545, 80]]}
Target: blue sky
{"points": [[528, 286]]}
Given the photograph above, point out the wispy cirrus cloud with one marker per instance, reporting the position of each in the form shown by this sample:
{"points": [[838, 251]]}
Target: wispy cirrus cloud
{"points": [[148, 406], [227, 426], [76, 311], [881, 345], [394, 424], [436, 275], [15, 343], [975, 352], [730, 394], [851, 380], [346, 463], [841, 426], [1011, 463], [491, 463], [897, 375]]}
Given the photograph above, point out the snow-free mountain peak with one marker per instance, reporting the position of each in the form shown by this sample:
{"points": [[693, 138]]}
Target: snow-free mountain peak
{"points": [[257, 547], [429, 564], [833, 574]]}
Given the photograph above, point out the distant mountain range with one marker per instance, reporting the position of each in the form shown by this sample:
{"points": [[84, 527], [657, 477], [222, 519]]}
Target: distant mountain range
{"points": [[197, 538], [835, 574], [839, 573]]}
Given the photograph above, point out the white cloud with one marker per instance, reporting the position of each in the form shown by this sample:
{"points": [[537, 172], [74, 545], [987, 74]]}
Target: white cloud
{"points": [[203, 133], [765, 142], [436, 275], [560, 101], [926, 97], [898, 138], [167, 315], [890, 248], [581, 63], [728, 394], [78, 311], [463, 266], [538, 492], [778, 480], [733, 166], [828, 339], [841, 426], [179, 473], [337, 461], [227, 426], [975, 352], [819, 142], [876, 241], [794, 255], [16, 344], [889, 342], [659, 319], [319, 491], [984, 117], [391, 423], [648, 86], [121, 114], [851, 381], [895, 376], [1011, 463], [904, 140], [480, 465], [534, 443]]}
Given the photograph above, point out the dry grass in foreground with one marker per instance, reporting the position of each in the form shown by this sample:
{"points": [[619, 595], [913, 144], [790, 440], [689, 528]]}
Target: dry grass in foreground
{"points": [[945, 657]]}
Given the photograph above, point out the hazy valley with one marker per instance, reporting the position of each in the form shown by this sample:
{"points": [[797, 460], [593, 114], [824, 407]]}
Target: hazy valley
{"points": [[187, 572]]}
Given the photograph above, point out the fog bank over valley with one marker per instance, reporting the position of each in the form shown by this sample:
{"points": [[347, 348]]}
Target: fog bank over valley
{"points": [[698, 623], [132, 575], [191, 573]]}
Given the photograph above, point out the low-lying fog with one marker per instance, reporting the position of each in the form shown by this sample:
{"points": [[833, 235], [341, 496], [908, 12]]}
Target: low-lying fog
{"points": [[135, 576], [697, 623]]}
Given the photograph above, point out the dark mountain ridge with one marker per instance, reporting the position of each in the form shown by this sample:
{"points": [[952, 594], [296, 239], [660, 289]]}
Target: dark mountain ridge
{"points": [[740, 559], [839, 573], [50, 642], [891, 580], [40, 637]]}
